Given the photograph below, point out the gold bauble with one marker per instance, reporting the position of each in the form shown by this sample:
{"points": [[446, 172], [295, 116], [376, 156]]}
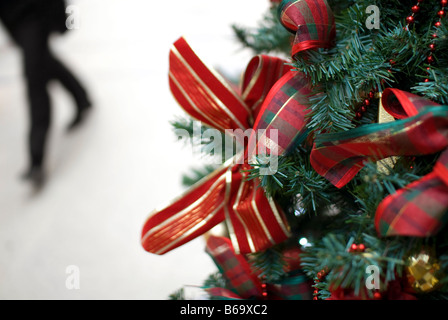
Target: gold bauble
{"points": [[423, 272]]}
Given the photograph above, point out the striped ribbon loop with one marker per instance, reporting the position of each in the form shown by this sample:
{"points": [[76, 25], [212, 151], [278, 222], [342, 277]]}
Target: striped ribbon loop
{"points": [[312, 22], [260, 76], [420, 208], [281, 122], [202, 92], [255, 222], [283, 114], [206, 96]]}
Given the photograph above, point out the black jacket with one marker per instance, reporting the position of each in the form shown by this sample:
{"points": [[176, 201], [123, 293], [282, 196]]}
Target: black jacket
{"points": [[51, 13]]}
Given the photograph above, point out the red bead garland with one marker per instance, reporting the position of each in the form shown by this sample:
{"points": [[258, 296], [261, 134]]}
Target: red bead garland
{"points": [[319, 277], [264, 290], [357, 247], [432, 46], [430, 59], [367, 102], [377, 296], [415, 9]]}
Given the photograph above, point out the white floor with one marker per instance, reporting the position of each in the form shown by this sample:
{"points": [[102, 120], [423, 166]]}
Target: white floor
{"points": [[106, 178]]}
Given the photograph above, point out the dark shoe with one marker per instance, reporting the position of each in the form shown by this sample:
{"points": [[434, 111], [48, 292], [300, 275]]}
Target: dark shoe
{"points": [[36, 176], [80, 116]]}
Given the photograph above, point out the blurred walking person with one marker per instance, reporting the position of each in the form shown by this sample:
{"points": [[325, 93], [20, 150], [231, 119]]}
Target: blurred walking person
{"points": [[30, 24]]}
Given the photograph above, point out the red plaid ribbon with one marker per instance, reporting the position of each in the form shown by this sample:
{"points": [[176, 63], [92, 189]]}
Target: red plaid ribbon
{"points": [[234, 268], [255, 222], [245, 283], [295, 287], [311, 21], [284, 113], [418, 209], [285, 109]]}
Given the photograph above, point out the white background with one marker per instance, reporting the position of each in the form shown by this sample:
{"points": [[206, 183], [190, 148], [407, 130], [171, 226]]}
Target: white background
{"points": [[105, 178]]}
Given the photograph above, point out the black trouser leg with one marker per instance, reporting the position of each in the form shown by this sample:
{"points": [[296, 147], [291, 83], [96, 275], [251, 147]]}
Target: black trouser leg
{"points": [[61, 73], [33, 40], [40, 67]]}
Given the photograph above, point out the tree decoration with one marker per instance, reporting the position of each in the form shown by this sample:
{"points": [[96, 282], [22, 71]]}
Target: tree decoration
{"points": [[255, 222], [339, 157], [423, 272], [226, 193], [244, 280], [311, 21], [362, 155]]}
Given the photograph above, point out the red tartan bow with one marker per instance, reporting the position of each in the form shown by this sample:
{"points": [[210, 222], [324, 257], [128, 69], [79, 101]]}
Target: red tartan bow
{"points": [[272, 94], [420, 208], [255, 221]]}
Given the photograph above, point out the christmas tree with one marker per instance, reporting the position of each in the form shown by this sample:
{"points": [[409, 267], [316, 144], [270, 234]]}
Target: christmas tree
{"points": [[357, 203]]}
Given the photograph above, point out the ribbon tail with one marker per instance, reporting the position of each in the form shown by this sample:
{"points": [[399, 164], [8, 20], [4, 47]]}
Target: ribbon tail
{"points": [[198, 210], [235, 268], [418, 210], [297, 286], [340, 156]]}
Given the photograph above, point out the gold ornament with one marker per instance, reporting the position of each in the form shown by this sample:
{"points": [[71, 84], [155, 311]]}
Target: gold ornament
{"points": [[423, 272], [384, 165]]}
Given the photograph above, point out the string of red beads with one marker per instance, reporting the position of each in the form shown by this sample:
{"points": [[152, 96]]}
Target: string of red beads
{"points": [[367, 102], [415, 9], [432, 46], [430, 59], [319, 277], [264, 293], [357, 247]]}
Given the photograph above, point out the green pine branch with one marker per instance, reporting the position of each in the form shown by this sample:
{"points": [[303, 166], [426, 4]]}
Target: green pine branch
{"points": [[296, 180], [330, 218], [269, 264], [268, 37]]}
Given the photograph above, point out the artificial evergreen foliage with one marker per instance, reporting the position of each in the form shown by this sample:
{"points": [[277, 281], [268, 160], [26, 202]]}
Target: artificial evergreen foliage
{"points": [[363, 60]]}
